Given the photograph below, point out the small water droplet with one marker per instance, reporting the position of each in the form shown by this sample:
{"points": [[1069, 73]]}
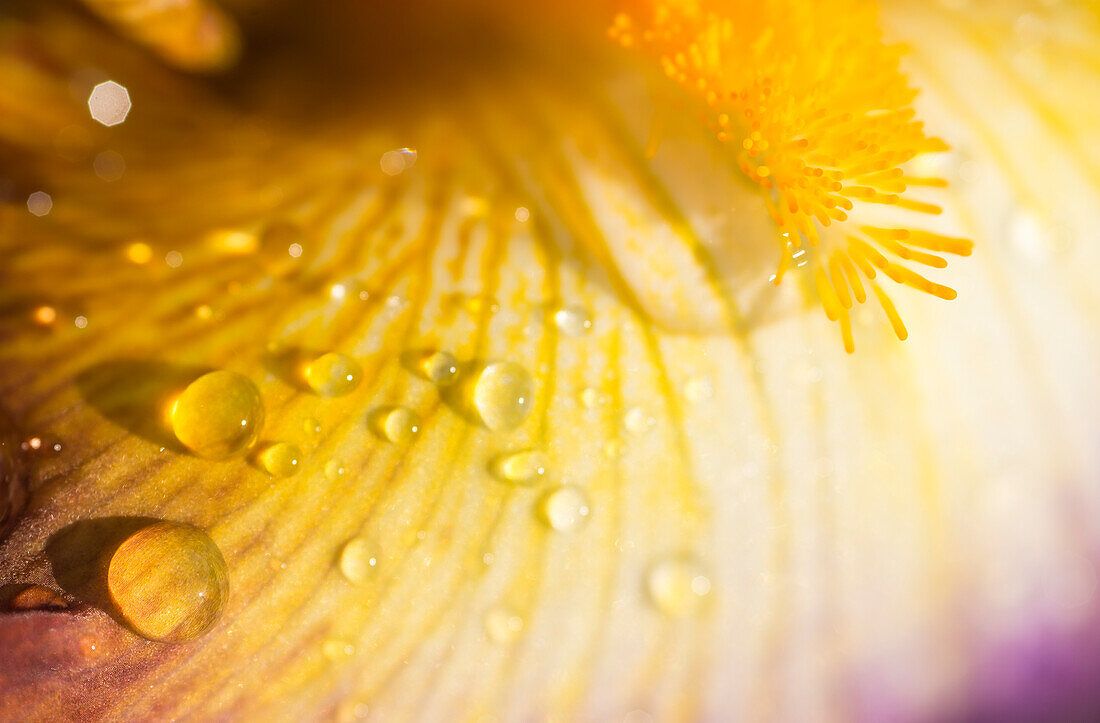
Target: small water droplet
{"points": [[637, 421], [502, 395], [357, 560], [169, 581], [592, 398], [281, 459], [441, 368], [523, 214], [480, 303], [218, 415], [333, 374], [699, 388], [502, 625], [520, 467], [564, 508], [573, 320], [396, 161], [311, 426], [334, 469], [139, 253], [677, 585], [397, 424], [335, 649]]}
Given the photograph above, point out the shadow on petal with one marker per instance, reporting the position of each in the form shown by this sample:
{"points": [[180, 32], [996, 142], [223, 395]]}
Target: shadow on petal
{"points": [[135, 394]]}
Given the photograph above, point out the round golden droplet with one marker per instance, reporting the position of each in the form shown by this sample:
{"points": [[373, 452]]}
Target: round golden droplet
{"points": [[400, 425], [335, 649], [169, 581], [677, 585], [334, 469], [219, 414], [357, 560], [441, 368], [502, 395], [333, 375], [564, 508], [281, 459], [520, 467]]}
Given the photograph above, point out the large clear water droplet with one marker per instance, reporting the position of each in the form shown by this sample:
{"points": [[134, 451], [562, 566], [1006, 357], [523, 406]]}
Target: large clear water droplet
{"points": [[281, 459], [169, 581], [357, 560], [564, 508]]}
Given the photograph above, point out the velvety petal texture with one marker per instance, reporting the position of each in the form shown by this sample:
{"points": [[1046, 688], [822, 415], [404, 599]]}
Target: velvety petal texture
{"points": [[641, 482]]}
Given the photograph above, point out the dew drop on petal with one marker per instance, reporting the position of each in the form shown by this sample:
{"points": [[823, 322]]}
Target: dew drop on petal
{"points": [[398, 424], [218, 415], [311, 426], [45, 315], [523, 214], [502, 625], [139, 253], [520, 467], [677, 585], [336, 649], [281, 459], [169, 581], [502, 395], [637, 421], [592, 398], [564, 508], [357, 560], [396, 161], [333, 375], [441, 368], [334, 469], [573, 320], [109, 103]]}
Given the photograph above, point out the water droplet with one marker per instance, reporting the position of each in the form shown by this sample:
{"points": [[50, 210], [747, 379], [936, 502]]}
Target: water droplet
{"points": [[637, 421], [281, 459], [139, 253], [334, 469], [480, 303], [612, 448], [573, 320], [398, 424], [699, 388], [311, 426], [564, 508], [169, 581], [218, 415], [394, 162], [502, 395], [109, 103], [593, 398], [81, 322], [520, 467], [333, 375], [38, 597], [502, 625], [523, 214], [174, 259], [357, 560], [677, 585], [441, 368], [335, 649]]}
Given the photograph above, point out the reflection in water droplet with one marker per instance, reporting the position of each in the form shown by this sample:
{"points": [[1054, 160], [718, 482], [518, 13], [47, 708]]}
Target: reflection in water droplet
{"points": [[441, 368], [564, 508], [334, 469], [218, 415], [169, 582], [398, 424], [311, 426], [333, 375], [502, 395], [520, 467], [573, 320], [677, 585], [357, 560], [503, 625], [281, 459]]}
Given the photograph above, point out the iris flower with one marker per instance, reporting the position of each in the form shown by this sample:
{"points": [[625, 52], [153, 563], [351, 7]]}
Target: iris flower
{"points": [[549, 361]]}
